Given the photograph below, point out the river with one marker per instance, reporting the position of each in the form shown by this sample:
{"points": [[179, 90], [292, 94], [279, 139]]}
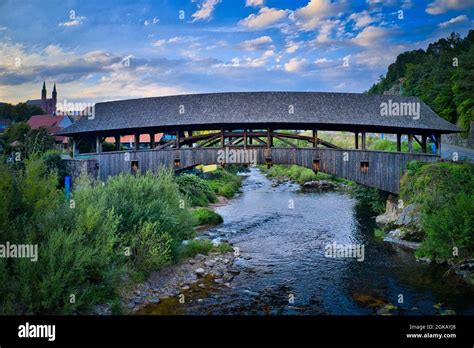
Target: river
{"points": [[282, 233]]}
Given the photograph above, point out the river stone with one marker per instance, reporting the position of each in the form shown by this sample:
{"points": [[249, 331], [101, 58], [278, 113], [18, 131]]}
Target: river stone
{"points": [[218, 281], [408, 216], [209, 263], [199, 271], [192, 261], [155, 300], [200, 257], [131, 305], [186, 287]]}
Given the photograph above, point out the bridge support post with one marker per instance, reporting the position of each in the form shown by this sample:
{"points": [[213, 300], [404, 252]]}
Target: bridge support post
{"points": [[245, 138], [269, 138], [222, 137], [152, 140], [364, 138], [137, 141], [399, 142], [410, 143], [178, 140], [315, 138], [438, 144], [356, 140], [423, 143], [98, 144], [74, 148], [117, 143]]}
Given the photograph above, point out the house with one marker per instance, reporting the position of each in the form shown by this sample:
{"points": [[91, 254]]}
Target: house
{"points": [[53, 124]]}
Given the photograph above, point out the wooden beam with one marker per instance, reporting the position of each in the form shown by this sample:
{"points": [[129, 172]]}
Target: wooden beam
{"points": [[423, 143], [245, 138], [152, 140], [177, 139], [364, 140], [269, 138], [117, 143], [356, 138], [222, 138], [168, 143], [399, 142], [210, 140], [98, 147], [285, 141], [410, 143], [438, 144], [315, 138], [137, 141]]}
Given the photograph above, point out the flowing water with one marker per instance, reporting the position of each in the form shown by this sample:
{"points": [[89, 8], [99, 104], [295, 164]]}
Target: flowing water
{"points": [[282, 233]]}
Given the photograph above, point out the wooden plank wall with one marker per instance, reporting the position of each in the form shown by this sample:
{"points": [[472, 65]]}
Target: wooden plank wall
{"points": [[385, 168]]}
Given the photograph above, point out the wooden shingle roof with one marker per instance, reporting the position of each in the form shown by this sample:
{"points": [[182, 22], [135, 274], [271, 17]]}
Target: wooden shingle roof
{"points": [[232, 110]]}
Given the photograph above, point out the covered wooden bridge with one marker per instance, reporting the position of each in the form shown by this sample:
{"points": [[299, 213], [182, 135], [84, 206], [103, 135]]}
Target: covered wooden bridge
{"points": [[266, 126]]}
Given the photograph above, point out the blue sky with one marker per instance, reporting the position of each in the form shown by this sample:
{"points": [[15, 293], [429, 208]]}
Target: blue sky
{"points": [[118, 49]]}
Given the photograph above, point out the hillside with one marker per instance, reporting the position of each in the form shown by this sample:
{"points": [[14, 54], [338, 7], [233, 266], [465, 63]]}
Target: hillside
{"points": [[442, 76]]}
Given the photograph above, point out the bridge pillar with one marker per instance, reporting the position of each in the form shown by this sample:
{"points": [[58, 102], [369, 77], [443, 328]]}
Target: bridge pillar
{"points": [[423, 143], [152, 140], [364, 138], [245, 138], [356, 139], [438, 144], [410, 143], [315, 138], [222, 138], [137, 141], [98, 144], [177, 139], [117, 143], [269, 138], [399, 142]]}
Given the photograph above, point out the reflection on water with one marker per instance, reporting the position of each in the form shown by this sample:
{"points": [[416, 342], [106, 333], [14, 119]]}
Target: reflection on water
{"points": [[283, 233]]}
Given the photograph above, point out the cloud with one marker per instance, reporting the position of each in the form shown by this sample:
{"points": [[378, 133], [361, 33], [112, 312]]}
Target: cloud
{"points": [[266, 16], [205, 10], [295, 64], [291, 47], [259, 43], [73, 23], [254, 3], [309, 16], [322, 61], [454, 20], [370, 36], [3, 28], [362, 19], [441, 6]]}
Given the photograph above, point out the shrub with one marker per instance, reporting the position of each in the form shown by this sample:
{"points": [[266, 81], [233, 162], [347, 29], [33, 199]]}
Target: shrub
{"points": [[196, 189], [224, 183], [194, 247], [205, 216]]}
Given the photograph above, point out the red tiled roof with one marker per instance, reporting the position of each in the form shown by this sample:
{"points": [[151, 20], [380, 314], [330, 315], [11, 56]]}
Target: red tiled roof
{"points": [[50, 122], [144, 138]]}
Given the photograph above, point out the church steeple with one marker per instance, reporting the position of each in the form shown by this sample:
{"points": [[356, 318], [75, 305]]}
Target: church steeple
{"points": [[43, 91], [55, 94]]}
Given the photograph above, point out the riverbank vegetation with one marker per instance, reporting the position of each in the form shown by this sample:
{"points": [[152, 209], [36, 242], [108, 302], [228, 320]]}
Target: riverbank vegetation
{"points": [[93, 243], [444, 193], [293, 173]]}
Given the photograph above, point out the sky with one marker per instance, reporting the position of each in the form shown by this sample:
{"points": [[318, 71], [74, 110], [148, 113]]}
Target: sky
{"points": [[120, 49]]}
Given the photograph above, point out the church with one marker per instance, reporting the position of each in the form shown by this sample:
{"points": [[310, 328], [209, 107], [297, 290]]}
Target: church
{"points": [[47, 105]]}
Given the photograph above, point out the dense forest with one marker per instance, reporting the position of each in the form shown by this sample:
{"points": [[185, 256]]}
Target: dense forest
{"points": [[19, 112], [442, 76]]}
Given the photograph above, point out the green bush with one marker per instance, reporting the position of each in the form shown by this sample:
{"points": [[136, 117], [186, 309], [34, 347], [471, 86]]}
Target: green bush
{"points": [[196, 189], [295, 173], [374, 198], [449, 228], [194, 247], [151, 249], [224, 183], [445, 193], [206, 216]]}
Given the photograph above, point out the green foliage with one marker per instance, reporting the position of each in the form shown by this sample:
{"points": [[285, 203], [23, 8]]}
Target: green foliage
{"points": [[379, 233], [449, 228], [20, 112], [373, 197], [16, 132], [433, 76], [445, 193], [223, 248], [224, 183], [82, 250], [206, 216], [295, 173], [388, 145], [194, 247], [196, 189], [38, 141]]}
